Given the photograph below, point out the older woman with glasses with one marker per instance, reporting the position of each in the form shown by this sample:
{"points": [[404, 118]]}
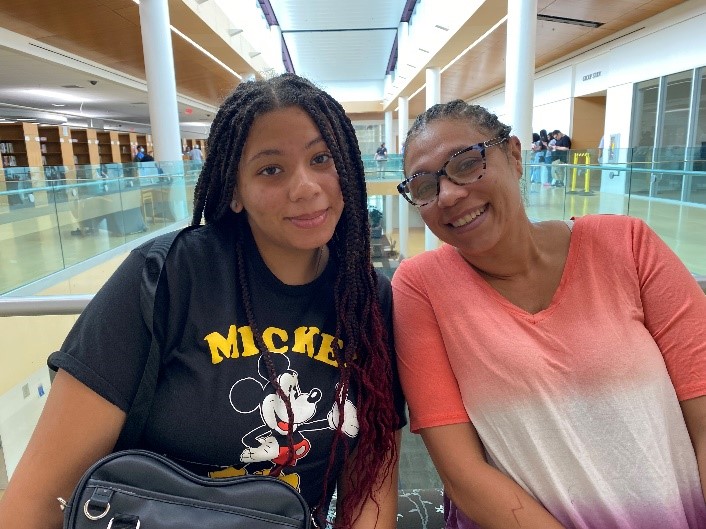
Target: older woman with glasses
{"points": [[555, 370]]}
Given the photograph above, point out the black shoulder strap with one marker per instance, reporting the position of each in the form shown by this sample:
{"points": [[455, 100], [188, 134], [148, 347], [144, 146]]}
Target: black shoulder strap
{"points": [[142, 403]]}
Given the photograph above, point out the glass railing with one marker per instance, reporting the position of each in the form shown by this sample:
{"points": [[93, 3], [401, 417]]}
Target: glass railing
{"points": [[391, 169], [73, 214], [666, 190], [51, 218], [665, 187], [54, 217]]}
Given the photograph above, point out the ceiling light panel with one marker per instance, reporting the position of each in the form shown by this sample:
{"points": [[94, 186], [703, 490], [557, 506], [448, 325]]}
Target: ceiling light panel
{"points": [[340, 56], [317, 14]]}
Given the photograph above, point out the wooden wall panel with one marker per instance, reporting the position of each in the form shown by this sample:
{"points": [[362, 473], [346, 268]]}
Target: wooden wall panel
{"points": [[588, 122]]}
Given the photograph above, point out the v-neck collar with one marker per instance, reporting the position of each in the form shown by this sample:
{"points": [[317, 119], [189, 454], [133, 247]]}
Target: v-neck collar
{"points": [[559, 293]]}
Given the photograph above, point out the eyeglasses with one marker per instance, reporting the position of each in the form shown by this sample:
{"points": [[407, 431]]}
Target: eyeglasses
{"points": [[464, 167]]}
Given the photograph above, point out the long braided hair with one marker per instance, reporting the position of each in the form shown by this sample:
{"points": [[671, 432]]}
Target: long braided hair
{"points": [[364, 360]]}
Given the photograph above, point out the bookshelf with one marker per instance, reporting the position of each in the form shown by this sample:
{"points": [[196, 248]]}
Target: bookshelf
{"points": [[85, 146], [125, 146], [20, 154], [141, 139], [13, 147], [189, 143], [50, 146], [105, 147], [79, 142]]}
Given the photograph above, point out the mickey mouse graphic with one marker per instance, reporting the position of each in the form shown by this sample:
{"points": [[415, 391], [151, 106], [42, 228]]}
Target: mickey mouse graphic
{"points": [[268, 442]]}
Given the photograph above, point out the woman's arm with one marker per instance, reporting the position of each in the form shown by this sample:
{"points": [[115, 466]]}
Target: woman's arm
{"points": [[76, 428], [675, 311], [380, 511], [694, 411], [482, 492]]}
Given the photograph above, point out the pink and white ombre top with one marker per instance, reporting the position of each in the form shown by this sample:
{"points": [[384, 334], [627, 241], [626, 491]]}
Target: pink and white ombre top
{"points": [[578, 403]]}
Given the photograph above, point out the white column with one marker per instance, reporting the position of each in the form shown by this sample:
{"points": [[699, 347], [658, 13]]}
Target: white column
{"points": [[389, 201], [402, 118], [433, 88], [519, 69], [276, 50], [433, 93], [403, 127], [389, 133], [402, 47], [404, 226], [161, 84]]}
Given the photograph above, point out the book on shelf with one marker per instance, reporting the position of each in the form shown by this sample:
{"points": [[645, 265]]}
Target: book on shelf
{"points": [[7, 147]]}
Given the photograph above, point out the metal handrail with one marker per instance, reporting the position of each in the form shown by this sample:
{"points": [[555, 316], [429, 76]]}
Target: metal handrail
{"points": [[43, 305], [66, 305]]}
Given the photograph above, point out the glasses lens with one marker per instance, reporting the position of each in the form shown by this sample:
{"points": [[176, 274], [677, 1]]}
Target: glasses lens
{"points": [[422, 188], [466, 167]]}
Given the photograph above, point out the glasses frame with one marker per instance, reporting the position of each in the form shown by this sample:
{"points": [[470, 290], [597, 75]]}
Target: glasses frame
{"points": [[481, 147]]}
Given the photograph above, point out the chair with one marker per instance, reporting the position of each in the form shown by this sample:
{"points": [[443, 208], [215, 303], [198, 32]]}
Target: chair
{"points": [[148, 199]]}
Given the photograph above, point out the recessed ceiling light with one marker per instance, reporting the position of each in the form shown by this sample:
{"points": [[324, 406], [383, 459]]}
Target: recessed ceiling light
{"points": [[254, 54], [234, 31], [572, 21], [423, 50], [441, 27], [58, 105]]}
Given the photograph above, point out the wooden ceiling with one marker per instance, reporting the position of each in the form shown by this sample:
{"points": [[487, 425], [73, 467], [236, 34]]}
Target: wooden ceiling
{"points": [[108, 32], [483, 68]]}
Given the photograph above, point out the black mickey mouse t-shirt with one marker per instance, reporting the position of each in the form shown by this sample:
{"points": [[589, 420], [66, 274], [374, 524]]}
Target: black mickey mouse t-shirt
{"points": [[215, 410]]}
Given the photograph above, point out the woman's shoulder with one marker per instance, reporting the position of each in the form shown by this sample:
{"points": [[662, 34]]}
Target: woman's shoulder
{"points": [[196, 246], [209, 234], [610, 230], [430, 265], [609, 221]]}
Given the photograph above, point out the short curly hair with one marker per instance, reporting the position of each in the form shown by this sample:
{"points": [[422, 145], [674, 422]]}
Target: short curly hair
{"points": [[458, 109]]}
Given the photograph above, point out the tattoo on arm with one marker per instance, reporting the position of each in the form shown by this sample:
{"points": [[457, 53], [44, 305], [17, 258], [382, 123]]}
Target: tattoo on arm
{"points": [[516, 509]]}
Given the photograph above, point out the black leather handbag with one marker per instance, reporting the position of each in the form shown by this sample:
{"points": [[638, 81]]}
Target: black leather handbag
{"points": [[135, 489]]}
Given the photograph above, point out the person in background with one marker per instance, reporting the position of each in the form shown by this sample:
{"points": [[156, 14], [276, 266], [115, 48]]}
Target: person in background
{"points": [[195, 154], [139, 154], [272, 305], [555, 370], [381, 159], [546, 170], [538, 150], [561, 148]]}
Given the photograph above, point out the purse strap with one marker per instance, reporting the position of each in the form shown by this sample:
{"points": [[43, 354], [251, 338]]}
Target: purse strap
{"points": [[142, 403]]}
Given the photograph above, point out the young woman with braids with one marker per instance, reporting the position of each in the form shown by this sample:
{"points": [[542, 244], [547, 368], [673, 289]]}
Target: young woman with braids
{"points": [[277, 354], [556, 371]]}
